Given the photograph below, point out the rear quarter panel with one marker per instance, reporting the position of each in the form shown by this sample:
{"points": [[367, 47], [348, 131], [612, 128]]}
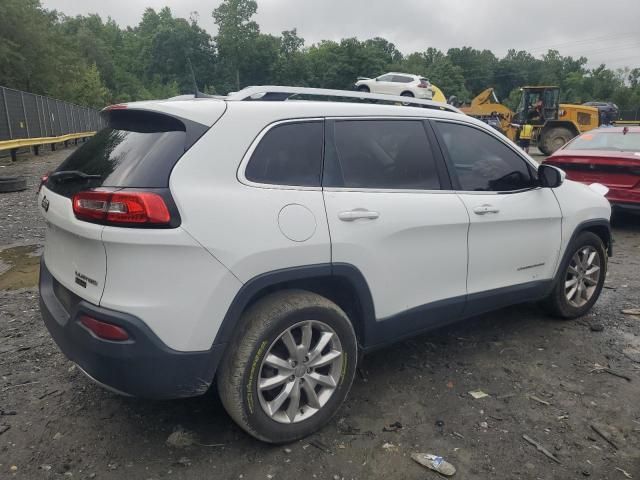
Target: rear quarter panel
{"points": [[165, 278], [238, 223]]}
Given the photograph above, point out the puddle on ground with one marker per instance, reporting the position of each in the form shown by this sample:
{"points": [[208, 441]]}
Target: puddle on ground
{"points": [[19, 267]]}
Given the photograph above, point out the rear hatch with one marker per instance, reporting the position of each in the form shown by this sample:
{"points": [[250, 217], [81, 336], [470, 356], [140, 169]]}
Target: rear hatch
{"points": [[133, 155]]}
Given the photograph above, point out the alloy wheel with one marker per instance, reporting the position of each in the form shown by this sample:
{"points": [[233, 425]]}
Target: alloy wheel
{"points": [[300, 372], [582, 276]]}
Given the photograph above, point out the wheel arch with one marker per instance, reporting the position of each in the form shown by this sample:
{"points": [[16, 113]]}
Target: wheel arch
{"points": [[341, 283], [599, 227], [409, 92]]}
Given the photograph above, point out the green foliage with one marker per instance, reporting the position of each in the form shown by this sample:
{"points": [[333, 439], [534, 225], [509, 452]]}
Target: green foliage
{"points": [[89, 89], [237, 37], [93, 61]]}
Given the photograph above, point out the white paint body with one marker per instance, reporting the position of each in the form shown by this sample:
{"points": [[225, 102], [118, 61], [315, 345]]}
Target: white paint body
{"points": [[389, 84], [422, 247]]}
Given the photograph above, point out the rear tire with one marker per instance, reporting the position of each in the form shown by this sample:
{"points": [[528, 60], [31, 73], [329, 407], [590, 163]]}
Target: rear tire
{"points": [[12, 184], [260, 368], [553, 138], [586, 254], [407, 94]]}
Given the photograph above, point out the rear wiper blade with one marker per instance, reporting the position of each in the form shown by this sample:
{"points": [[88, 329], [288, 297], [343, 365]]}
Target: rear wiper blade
{"points": [[72, 175]]}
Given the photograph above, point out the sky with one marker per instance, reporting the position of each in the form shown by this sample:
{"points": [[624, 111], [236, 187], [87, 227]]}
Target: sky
{"points": [[604, 32]]}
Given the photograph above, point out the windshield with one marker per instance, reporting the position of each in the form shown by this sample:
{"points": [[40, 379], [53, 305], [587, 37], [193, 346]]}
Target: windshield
{"points": [[616, 141]]}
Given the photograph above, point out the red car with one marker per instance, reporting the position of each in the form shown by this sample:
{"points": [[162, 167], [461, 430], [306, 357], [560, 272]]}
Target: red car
{"points": [[610, 156]]}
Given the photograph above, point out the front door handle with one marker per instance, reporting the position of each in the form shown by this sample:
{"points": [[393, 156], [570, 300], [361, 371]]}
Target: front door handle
{"points": [[484, 209], [356, 214]]}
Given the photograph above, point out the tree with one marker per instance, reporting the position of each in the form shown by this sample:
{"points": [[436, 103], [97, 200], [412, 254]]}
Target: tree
{"points": [[91, 60], [477, 66], [236, 33], [291, 64], [291, 43], [634, 77], [89, 90]]}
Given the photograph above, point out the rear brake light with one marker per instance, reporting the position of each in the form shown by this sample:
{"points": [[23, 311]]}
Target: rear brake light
{"points": [[121, 207], [117, 106], [104, 330], [43, 179]]}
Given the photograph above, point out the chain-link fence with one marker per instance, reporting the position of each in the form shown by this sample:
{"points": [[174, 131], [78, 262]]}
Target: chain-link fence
{"points": [[26, 115]]}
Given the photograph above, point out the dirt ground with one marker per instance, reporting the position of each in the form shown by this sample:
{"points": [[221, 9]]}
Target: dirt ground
{"points": [[544, 379]]}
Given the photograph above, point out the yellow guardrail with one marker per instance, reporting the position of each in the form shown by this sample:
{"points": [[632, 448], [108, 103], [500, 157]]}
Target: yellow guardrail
{"points": [[30, 142], [628, 123]]}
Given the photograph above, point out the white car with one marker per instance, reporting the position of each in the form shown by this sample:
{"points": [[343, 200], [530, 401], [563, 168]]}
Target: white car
{"points": [[394, 83], [265, 245]]}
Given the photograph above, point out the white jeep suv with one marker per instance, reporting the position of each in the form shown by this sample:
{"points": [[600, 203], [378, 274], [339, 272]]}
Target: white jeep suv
{"points": [[264, 245], [394, 83]]}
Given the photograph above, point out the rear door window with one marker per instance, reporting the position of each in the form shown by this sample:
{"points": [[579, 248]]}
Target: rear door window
{"points": [[402, 79], [386, 154], [289, 154], [137, 149]]}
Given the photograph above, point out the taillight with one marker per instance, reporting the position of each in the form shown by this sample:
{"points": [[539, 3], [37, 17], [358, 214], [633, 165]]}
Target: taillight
{"points": [[43, 180], [121, 207], [104, 330], [118, 106]]}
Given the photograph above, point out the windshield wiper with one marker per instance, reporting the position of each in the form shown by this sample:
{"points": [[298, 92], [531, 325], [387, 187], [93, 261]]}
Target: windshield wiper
{"points": [[72, 176]]}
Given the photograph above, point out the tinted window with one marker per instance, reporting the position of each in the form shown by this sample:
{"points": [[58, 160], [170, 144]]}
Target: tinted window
{"points": [[402, 79], [482, 162], [385, 78], [289, 154], [385, 154], [137, 149]]}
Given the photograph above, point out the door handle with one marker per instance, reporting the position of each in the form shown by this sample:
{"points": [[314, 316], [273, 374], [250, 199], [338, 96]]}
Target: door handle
{"points": [[356, 214], [484, 209]]}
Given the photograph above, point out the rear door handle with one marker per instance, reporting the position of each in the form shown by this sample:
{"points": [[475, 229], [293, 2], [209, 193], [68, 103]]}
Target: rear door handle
{"points": [[356, 214], [484, 209]]}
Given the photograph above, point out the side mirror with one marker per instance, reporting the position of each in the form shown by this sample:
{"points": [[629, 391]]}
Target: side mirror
{"points": [[550, 176]]}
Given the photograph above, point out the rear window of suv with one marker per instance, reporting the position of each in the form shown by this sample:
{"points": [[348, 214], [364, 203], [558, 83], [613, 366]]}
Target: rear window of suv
{"points": [[137, 149], [289, 154]]}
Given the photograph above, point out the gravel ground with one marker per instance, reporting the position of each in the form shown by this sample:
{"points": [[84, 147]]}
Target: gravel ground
{"points": [[544, 379]]}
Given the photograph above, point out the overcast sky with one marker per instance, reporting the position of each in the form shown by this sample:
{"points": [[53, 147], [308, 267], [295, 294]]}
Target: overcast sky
{"points": [[604, 32]]}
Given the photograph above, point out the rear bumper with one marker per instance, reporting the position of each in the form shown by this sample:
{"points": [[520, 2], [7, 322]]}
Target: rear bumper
{"points": [[142, 366]]}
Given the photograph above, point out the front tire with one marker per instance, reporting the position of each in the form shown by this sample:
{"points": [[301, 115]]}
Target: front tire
{"points": [[289, 366], [364, 89], [580, 278]]}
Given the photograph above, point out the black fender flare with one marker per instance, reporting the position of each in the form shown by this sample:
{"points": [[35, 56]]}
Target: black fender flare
{"points": [[587, 225], [324, 271]]}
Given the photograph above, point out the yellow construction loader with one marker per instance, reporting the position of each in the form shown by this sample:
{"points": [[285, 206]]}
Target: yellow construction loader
{"points": [[554, 123]]}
